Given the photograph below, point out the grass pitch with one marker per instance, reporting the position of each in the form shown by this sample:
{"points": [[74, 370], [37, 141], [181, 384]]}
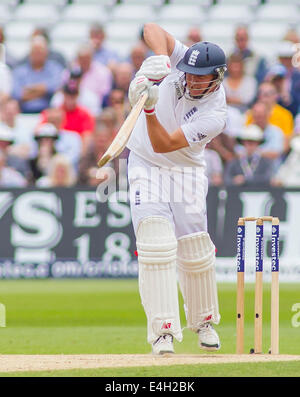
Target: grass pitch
{"points": [[106, 317]]}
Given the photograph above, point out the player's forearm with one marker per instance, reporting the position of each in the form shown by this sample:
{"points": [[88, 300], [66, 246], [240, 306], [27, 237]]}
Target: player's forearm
{"points": [[161, 140], [159, 137], [160, 41]]}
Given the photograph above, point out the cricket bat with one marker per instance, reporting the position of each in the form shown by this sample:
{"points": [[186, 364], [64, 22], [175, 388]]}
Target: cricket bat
{"points": [[118, 144]]}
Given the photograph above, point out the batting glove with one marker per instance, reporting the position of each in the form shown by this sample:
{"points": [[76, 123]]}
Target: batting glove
{"points": [[137, 87], [149, 106], [155, 68]]}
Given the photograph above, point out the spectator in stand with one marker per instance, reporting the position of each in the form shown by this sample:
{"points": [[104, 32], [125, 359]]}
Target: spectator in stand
{"points": [[6, 81], [93, 177], [68, 142], [102, 138], [255, 65], [9, 177], [214, 167], [193, 36], [35, 81], [118, 101], [6, 137], [60, 173], [96, 77], [86, 98], [286, 53], [122, 76], [251, 168], [53, 55], [46, 138], [292, 36], [110, 119], [76, 118], [240, 88], [17, 162], [278, 115], [9, 111], [223, 144], [10, 60], [137, 56], [235, 122], [273, 146], [101, 53], [288, 174], [277, 75]]}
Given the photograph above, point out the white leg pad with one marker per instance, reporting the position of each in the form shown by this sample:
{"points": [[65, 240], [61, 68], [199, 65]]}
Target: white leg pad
{"points": [[197, 279], [157, 247]]}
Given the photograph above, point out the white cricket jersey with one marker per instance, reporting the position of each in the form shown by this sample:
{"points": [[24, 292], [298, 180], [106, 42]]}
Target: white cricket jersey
{"points": [[200, 120]]}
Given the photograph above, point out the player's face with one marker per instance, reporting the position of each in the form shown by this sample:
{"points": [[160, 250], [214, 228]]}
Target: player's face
{"points": [[198, 85]]}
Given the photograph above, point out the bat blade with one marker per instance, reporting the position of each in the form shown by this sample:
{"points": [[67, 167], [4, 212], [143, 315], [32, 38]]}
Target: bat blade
{"points": [[118, 144]]}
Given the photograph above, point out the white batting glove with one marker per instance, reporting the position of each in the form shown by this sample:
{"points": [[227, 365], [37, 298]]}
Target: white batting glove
{"points": [[137, 87], [149, 107], [155, 68]]}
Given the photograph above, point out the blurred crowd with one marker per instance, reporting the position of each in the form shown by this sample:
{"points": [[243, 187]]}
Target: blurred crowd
{"points": [[80, 105]]}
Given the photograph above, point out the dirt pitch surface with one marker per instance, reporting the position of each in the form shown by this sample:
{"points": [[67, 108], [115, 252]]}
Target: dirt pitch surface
{"points": [[12, 363]]}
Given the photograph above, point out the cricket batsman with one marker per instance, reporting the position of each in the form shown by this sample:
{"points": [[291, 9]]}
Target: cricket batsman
{"points": [[168, 186]]}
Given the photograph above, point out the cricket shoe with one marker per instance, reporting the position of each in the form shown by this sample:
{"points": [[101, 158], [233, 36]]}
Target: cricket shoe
{"points": [[163, 345], [208, 337]]}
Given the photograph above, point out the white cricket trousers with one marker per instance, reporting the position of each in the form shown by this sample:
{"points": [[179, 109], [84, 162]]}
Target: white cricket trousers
{"points": [[179, 196]]}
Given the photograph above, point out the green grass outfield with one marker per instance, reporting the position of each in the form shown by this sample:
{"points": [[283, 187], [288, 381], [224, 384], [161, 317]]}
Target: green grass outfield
{"points": [[106, 317]]}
